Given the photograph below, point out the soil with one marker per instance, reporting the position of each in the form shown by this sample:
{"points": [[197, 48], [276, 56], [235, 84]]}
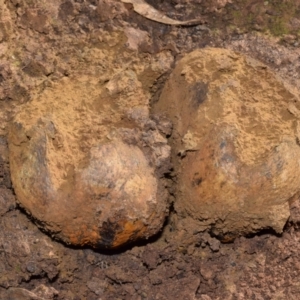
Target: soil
{"points": [[42, 42]]}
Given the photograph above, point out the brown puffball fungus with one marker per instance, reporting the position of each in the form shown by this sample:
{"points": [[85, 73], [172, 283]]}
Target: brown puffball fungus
{"points": [[234, 143], [86, 167]]}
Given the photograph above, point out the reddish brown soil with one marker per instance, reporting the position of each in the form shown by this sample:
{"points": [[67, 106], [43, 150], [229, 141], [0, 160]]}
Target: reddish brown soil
{"points": [[37, 49]]}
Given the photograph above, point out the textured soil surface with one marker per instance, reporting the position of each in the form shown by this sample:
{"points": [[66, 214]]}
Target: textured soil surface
{"points": [[42, 42]]}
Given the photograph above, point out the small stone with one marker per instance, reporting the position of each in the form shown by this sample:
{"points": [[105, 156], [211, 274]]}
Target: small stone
{"points": [[214, 244], [30, 267]]}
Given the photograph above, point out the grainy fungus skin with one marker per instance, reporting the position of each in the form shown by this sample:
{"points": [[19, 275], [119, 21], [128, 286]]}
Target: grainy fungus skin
{"points": [[89, 173], [237, 125]]}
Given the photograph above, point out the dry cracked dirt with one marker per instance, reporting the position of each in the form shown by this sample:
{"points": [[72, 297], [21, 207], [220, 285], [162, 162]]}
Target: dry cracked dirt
{"points": [[84, 81]]}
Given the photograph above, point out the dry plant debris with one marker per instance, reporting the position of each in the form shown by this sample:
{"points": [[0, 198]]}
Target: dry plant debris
{"points": [[146, 10]]}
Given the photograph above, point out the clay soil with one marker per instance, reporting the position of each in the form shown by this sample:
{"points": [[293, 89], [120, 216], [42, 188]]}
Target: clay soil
{"points": [[42, 42]]}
